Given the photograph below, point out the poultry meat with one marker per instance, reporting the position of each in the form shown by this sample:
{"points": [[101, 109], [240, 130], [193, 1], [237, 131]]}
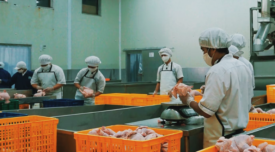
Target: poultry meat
{"points": [[164, 147], [5, 96], [181, 89], [86, 92], [135, 136], [102, 132], [123, 134], [265, 147], [252, 149], [39, 93], [272, 111], [235, 144], [19, 96]]}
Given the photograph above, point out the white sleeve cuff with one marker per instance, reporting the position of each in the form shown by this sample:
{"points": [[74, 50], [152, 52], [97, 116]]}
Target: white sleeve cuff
{"points": [[206, 110]]}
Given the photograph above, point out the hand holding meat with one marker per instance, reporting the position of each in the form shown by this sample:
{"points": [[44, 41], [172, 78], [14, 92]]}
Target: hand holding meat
{"points": [[39, 93], [87, 92], [5, 96]]}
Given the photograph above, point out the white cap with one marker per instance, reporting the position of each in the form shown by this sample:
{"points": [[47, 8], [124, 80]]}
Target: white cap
{"points": [[235, 51], [2, 65], [21, 65], [92, 61], [214, 38], [238, 40], [45, 59], [165, 51]]}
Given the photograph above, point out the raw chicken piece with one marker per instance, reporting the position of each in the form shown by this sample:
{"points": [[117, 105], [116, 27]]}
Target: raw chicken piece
{"points": [[144, 130], [135, 136], [5, 96], [122, 134], [252, 149], [259, 110], [235, 144], [265, 147], [272, 111], [164, 147], [87, 92], [181, 89], [19, 96], [101, 133], [39, 93], [108, 131], [93, 132], [151, 136], [195, 93]]}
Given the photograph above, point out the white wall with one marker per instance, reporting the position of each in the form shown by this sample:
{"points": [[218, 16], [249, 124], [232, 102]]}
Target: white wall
{"points": [[179, 23]]}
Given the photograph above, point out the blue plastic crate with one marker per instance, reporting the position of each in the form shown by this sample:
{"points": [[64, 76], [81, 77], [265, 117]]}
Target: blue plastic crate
{"points": [[10, 115], [62, 102]]}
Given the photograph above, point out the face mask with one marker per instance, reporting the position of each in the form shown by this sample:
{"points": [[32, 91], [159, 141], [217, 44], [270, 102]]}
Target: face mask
{"points": [[165, 58], [46, 67], [20, 71], [208, 59], [93, 69]]}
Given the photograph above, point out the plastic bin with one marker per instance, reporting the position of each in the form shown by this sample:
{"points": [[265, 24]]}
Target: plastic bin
{"points": [[258, 120], [10, 115], [270, 92], [29, 133], [85, 142], [62, 102], [256, 143], [24, 106], [14, 104]]}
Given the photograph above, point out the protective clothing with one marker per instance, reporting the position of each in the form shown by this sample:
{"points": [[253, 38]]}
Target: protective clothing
{"points": [[49, 78], [250, 67], [23, 81], [2, 65], [227, 99], [165, 59], [207, 59], [238, 40], [93, 69], [94, 80], [21, 65], [214, 38], [166, 51], [5, 79], [45, 68], [92, 61], [235, 51], [45, 59]]}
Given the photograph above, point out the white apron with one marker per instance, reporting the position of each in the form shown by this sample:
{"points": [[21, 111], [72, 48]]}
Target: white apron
{"points": [[167, 82], [88, 82], [49, 80]]}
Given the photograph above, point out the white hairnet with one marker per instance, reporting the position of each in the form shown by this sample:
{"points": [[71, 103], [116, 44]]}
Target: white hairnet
{"points": [[21, 65], [235, 51], [92, 61], [45, 59], [238, 40], [166, 51], [2, 65], [215, 38]]}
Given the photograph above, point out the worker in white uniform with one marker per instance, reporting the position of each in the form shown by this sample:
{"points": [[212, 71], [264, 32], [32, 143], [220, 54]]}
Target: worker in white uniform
{"points": [[238, 43], [169, 74], [92, 78], [226, 100], [49, 77]]}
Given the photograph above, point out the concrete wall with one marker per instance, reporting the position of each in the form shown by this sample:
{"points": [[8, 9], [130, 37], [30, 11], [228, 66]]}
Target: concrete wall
{"points": [[179, 23], [22, 22]]}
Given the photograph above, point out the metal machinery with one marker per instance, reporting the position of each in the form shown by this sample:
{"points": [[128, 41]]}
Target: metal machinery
{"points": [[262, 43]]}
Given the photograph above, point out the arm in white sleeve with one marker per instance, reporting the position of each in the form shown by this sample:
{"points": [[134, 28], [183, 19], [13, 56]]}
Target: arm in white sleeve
{"points": [[79, 75], [214, 93], [179, 72], [34, 79], [101, 83], [158, 75], [60, 76]]}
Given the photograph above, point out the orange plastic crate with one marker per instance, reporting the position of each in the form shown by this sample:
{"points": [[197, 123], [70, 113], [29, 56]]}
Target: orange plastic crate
{"points": [[270, 92], [24, 106], [91, 143], [30, 133], [256, 143], [258, 120]]}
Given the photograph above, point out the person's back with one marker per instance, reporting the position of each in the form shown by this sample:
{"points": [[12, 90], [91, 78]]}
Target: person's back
{"points": [[5, 78], [22, 81], [233, 90]]}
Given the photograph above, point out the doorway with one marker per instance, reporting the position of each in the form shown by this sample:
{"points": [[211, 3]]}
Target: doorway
{"points": [[134, 67]]}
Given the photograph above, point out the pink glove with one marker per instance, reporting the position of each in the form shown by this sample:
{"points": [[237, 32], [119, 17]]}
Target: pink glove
{"points": [[87, 92], [5, 96]]}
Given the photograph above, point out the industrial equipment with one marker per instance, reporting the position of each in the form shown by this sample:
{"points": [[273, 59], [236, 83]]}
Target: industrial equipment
{"points": [[262, 44]]}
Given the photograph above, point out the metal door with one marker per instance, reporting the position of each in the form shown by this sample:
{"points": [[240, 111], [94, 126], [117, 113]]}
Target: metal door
{"points": [[134, 67], [151, 61]]}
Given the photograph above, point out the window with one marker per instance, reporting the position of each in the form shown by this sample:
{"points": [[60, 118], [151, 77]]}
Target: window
{"points": [[4, 0], [91, 7], [44, 3]]}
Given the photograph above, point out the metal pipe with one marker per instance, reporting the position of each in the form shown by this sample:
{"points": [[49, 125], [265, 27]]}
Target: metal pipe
{"points": [[265, 10], [69, 51], [119, 41]]}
